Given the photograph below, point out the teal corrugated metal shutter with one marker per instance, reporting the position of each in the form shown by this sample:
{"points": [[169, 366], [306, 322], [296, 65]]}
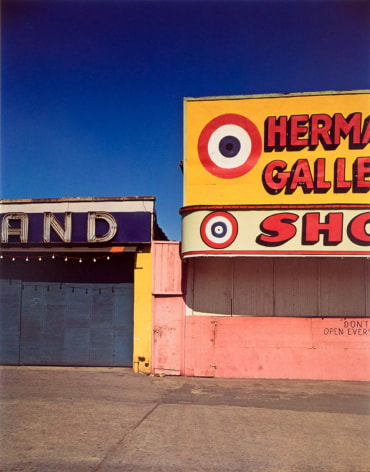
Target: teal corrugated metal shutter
{"points": [[123, 322], [10, 310], [32, 314], [66, 324]]}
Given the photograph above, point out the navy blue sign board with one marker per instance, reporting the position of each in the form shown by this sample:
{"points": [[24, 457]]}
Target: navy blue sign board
{"points": [[124, 227]]}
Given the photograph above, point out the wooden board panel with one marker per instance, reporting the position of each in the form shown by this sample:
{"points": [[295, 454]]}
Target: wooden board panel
{"points": [[296, 286], [347, 333], [280, 332], [167, 268], [282, 287], [212, 286], [253, 286], [342, 287], [272, 348], [168, 335], [367, 286]]}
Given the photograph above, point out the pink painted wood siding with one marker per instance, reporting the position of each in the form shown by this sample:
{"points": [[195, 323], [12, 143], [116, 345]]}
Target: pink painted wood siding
{"points": [[168, 335], [297, 287], [168, 310], [260, 317], [296, 348], [167, 272], [278, 318]]}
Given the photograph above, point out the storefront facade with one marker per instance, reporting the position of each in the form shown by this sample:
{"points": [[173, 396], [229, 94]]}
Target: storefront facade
{"points": [[76, 281], [271, 278], [275, 236]]}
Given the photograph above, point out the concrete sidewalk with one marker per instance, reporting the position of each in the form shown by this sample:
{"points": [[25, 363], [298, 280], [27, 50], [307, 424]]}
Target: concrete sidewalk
{"points": [[102, 419]]}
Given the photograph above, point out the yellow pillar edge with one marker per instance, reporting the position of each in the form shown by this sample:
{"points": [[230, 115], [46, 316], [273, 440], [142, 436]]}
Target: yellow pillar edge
{"points": [[143, 312]]}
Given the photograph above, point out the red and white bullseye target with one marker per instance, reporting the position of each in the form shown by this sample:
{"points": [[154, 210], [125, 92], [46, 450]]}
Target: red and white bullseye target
{"points": [[219, 229], [229, 146]]}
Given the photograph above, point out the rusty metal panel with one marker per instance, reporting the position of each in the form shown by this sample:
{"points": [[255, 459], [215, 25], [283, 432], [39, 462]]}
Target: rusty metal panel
{"points": [[253, 286], [212, 286], [296, 287], [343, 287], [167, 273]]}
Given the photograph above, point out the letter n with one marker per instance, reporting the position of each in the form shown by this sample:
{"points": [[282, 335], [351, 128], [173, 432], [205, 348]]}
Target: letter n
{"points": [[65, 234]]}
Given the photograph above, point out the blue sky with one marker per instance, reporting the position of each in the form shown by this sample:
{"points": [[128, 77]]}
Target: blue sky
{"points": [[92, 90]]}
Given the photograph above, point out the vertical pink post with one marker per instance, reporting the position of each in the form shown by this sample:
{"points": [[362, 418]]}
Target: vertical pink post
{"points": [[168, 309]]}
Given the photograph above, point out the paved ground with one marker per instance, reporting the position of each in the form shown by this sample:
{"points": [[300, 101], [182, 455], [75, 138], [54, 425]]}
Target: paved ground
{"points": [[104, 420]]}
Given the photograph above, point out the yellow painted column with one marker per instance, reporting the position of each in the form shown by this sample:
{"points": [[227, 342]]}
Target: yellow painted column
{"points": [[143, 312]]}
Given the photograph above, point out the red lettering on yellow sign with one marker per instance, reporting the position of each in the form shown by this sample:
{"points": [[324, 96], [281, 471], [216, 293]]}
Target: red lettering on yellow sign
{"points": [[300, 131], [276, 177]]}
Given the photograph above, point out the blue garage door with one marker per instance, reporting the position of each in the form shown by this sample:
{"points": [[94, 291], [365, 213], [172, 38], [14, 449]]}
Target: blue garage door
{"points": [[10, 319], [66, 324]]}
